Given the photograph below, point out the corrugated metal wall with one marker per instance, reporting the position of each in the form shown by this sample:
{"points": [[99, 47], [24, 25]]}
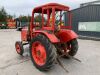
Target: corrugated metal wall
{"points": [[89, 13]]}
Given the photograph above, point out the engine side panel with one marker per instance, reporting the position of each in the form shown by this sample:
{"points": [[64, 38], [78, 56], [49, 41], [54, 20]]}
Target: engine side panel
{"points": [[24, 34]]}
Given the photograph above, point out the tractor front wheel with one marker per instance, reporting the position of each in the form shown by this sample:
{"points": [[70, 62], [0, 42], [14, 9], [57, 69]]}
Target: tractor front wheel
{"points": [[19, 48], [42, 52], [72, 46]]}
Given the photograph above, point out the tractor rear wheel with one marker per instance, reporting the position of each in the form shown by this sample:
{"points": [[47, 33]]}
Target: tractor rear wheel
{"points": [[19, 48], [73, 47], [42, 52]]}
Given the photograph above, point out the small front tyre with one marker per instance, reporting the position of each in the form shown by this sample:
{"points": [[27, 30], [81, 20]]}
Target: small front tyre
{"points": [[19, 48]]}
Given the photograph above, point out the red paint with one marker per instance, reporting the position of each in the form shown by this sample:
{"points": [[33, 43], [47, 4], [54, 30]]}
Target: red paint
{"points": [[24, 34], [44, 9], [70, 19], [66, 27], [63, 35], [18, 48], [49, 5], [66, 35], [50, 36], [39, 53]]}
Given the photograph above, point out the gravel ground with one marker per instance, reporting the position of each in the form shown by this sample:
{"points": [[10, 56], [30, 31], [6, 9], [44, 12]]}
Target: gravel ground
{"points": [[12, 64]]}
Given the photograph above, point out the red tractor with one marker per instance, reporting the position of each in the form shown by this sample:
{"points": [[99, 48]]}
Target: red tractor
{"points": [[49, 38]]}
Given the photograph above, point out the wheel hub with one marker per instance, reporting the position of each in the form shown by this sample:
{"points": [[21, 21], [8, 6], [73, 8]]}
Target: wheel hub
{"points": [[38, 53], [18, 48]]}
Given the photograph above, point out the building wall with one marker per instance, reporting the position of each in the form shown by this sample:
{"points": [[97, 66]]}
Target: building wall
{"points": [[89, 13], [90, 3]]}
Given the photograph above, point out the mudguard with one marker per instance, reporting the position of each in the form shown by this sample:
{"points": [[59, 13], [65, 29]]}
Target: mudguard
{"points": [[66, 35], [50, 36]]}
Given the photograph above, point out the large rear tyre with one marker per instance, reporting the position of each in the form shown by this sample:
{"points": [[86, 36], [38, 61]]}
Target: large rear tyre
{"points": [[42, 52], [19, 48]]}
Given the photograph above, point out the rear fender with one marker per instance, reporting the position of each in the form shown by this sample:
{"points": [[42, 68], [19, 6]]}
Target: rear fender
{"points": [[66, 35], [50, 36]]}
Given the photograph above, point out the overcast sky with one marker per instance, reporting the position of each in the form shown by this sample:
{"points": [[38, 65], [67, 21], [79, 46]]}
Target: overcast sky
{"points": [[24, 7]]}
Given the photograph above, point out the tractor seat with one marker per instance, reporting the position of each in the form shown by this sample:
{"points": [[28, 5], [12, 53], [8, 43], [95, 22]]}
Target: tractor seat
{"points": [[37, 26]]}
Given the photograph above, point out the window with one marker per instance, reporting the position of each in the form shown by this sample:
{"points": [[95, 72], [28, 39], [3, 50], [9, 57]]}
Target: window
{"points": [[38, 19], [59, 17], [89, 26]]}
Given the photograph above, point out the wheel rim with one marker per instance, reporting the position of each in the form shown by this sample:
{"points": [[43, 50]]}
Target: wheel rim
{"points": [[38, 53], [18, 48], [68, 48]]}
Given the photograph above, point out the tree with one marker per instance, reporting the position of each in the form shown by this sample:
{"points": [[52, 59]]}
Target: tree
{"points": [[38, 18], [29, 18], [3, 14], [14, 16], [9, 16]]}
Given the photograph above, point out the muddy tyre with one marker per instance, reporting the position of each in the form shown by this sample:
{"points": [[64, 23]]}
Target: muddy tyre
{"points": [[42, 52], [73, 47]]}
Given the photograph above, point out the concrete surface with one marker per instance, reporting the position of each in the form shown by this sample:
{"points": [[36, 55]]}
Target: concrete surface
{"points": [[12, 64]]}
